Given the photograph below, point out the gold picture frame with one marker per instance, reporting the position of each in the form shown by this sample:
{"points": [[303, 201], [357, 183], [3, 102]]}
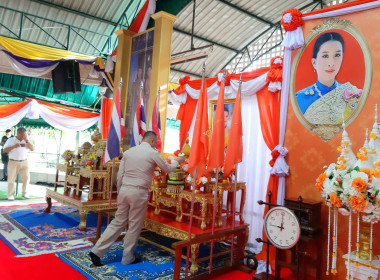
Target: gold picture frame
{"points": [[317, 123], [229, 105]]}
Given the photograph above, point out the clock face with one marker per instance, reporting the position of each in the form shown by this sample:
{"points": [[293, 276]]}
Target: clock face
{"points": [[282, 227]]}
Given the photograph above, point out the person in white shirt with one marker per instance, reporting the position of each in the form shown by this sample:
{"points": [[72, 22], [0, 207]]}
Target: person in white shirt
{"points": [[133, 182], [17, 149]]}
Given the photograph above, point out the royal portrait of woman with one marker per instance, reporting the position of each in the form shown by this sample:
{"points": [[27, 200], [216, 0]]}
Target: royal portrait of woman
{"points": [[331, 77]]}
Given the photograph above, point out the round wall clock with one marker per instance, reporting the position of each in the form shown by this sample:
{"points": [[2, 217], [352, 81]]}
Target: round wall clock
{"points": [[282, 227]]}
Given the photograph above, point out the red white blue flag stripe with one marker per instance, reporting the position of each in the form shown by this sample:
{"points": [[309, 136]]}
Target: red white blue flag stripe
{"points": [[139, 124], [116, 131], [155, 124]]}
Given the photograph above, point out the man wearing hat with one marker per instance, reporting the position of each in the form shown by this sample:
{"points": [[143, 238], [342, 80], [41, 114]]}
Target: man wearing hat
{"points": [[4, 156]]}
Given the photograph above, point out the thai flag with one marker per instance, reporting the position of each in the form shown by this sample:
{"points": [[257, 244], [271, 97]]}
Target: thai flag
{"points": [[139, 124], [155, 123], [116, 131]]}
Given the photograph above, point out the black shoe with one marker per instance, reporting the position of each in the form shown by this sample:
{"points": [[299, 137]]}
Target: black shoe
{"points": [[95, 259], [4, 179], [137, 260]]}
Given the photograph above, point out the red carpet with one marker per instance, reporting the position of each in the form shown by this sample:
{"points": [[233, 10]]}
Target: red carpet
{"points": [[34, 268], [46, 266]]}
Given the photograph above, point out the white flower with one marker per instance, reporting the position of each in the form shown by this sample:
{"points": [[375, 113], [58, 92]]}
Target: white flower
{"points": [[157, 173], [369, 208], [356, 174], [189, 179], [184, 168], [346, 182], [171, 157], [287, 17], [353, 192], [204, 180], [344, 211], [330, 169]]}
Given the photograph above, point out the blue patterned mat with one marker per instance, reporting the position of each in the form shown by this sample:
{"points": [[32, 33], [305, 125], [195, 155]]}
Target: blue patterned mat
{"points": [[28, 231], [156, 263]]}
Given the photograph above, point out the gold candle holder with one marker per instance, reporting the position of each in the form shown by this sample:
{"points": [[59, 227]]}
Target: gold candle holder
{"points": [[365, 237]]}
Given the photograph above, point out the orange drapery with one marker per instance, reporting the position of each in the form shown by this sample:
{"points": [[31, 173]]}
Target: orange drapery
{"points": [[9, 109], [269, 108]]}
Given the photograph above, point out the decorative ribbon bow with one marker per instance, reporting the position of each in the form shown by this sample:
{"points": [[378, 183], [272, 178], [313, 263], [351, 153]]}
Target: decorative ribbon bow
{"points": [[279, 167], [274, 76], [220, 78], [292, 21]]}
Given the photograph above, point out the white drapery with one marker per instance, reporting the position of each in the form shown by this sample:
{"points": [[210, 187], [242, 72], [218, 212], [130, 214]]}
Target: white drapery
{"points": [[254, 170], [248, 88], [26, 71]]}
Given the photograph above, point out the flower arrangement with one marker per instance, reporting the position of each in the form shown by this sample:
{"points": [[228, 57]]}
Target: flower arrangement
{"points": [[351, 189], [68, 155], [352, 186], [90, 157]]}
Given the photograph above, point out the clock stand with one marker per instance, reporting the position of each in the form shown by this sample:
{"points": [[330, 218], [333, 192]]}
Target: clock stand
{"points": [[298, 255], [310, 241]]}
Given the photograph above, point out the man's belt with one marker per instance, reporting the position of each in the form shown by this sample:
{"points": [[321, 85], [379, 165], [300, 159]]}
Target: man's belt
{"points": [[17, 160]]}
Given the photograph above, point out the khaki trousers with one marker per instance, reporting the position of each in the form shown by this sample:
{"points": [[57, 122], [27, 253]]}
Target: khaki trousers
{"points": [[131, 209], [15, 167]]}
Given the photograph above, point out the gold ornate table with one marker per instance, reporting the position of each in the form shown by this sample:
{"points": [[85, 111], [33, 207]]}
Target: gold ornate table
{"points": [[204, 199], [229, 187], [79, 202], [98, 183], [167, 226]]}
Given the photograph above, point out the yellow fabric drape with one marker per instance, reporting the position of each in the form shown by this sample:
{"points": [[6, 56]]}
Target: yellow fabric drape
{"points": [[37, 52], [173, 86]]}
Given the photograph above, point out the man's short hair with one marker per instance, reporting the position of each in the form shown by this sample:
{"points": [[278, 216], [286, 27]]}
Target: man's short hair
{"points": [[8, 130], [149, 134], [21, 129]]}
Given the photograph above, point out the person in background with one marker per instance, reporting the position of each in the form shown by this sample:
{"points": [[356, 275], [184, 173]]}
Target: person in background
{"points": [[133, 182], [4, 156], [17, 149]]}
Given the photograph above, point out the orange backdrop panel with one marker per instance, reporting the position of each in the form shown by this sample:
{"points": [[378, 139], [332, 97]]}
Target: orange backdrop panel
{"points": [[308, 153]]}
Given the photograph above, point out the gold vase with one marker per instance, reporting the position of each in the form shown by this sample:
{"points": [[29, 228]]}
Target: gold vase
{"points": [[365, 238]]}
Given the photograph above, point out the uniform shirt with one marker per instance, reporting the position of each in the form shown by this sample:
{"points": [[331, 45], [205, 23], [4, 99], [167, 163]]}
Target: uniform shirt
{"points": [[19, 153], [138, 164], [309, 95]]}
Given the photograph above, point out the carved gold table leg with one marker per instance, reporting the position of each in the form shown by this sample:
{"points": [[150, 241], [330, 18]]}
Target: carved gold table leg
{"points": [[242, 204], [220, 207], [178, 210], [90, 191], [203, 213], [83, 217], [194, 259]]}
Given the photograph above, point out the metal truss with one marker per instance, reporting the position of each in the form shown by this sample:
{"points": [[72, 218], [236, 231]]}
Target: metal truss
{"points": [[110, 39], [246, 54]]}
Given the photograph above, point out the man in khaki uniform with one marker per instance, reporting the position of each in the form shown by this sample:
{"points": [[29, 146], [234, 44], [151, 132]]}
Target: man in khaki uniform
{"points": [[133, 182], [17, 149]]}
